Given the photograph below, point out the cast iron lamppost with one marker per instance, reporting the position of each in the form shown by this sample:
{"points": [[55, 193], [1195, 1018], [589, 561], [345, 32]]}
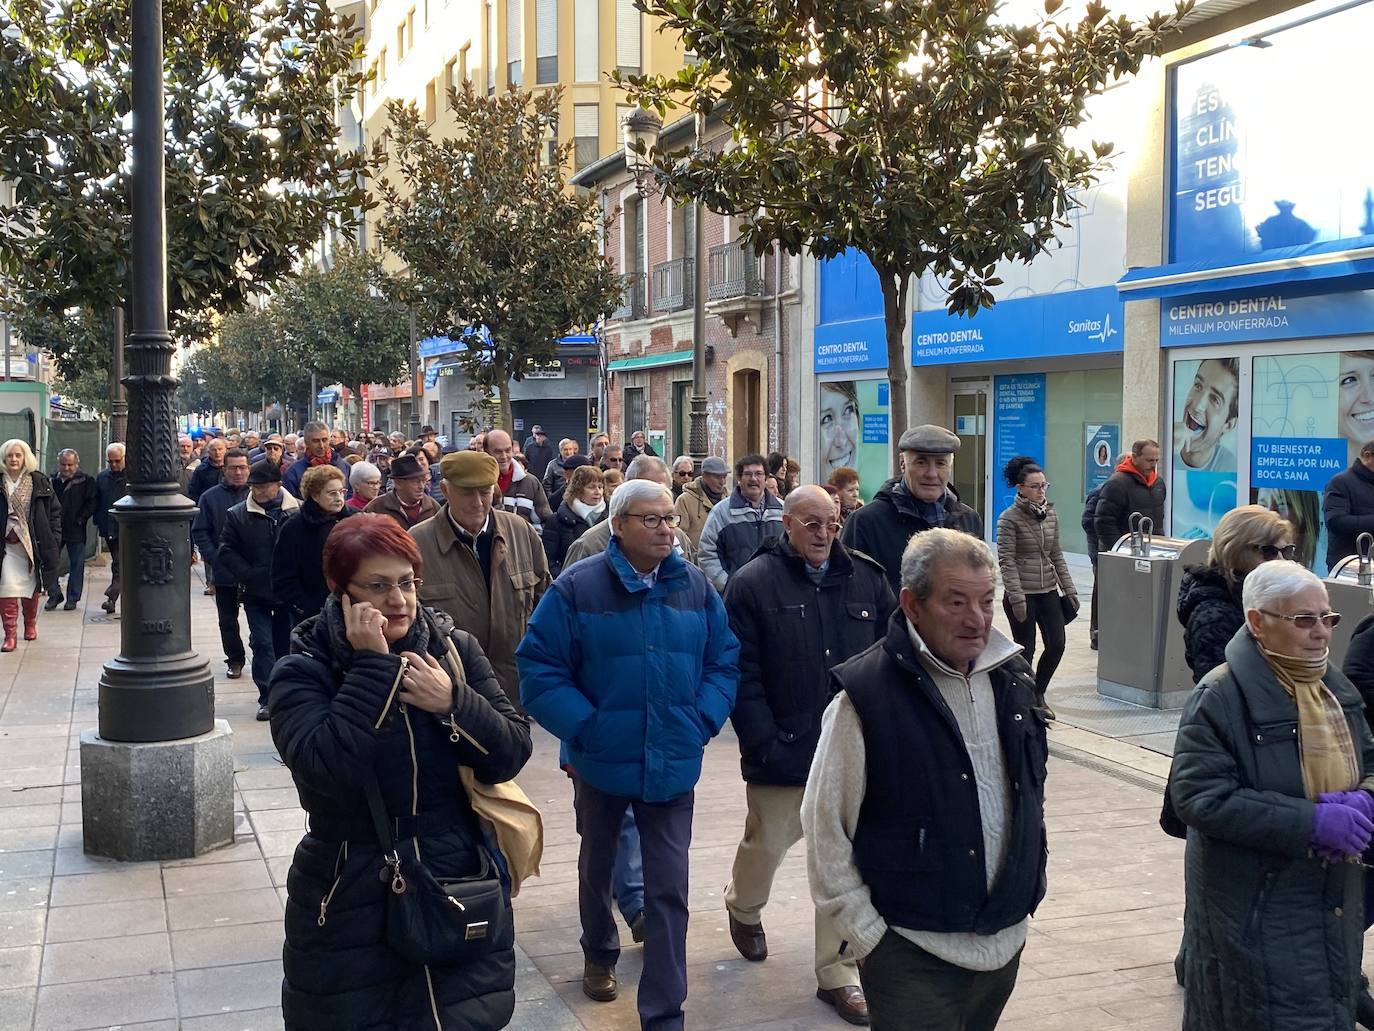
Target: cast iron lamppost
{"points": [[157, 778], [641, 129]]}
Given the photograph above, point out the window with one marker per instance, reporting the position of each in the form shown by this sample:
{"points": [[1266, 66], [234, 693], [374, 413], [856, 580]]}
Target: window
{"points": [[431, 101], [586, 131], [410, 29], [451, 80], [550, 155], [400, 42], [491, 47], [514, 40], [586, 33], [546, 41], [381, 65], [627, 37], [372, 84], [634, 409], [463, 72]]}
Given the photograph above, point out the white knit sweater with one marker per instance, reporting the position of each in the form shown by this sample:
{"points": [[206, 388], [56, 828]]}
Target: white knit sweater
{"points": [[835, 794]]}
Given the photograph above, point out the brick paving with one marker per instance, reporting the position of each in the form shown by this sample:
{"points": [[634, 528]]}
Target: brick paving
{"points": [[89, 943]]}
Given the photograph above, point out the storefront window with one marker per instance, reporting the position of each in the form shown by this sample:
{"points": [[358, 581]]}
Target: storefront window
{"points": [[1203, 466], [1082, 413]]}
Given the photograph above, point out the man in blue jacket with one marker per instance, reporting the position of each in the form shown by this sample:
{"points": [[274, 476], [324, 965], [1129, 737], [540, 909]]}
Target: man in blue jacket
{"points": [[629, 660], [317, 452]]}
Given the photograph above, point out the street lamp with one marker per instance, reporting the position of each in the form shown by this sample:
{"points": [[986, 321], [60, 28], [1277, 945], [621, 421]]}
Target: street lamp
{"points": [[640, 133], [157, 777]]}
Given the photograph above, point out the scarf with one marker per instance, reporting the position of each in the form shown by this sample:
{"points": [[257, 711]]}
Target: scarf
{"points": [[326, 459], [587, 513], [20, 493], [1325, 747], [1038, 511]]}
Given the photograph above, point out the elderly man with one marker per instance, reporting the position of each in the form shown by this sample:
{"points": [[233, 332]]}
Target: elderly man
{"points": [[683, 467], [206, 531], [186, 454], [111, 484], [738, 525], [594, 541], [76, 493], [552, 476], [210, 471], [924, 807], [804, 604], [538, 451], [914, 502], [596, 447], [338, 442], [638, 445], [408, 500], [317, 452], [483, 566], [699, 496], [292, 442], [273, 451], [630, 662], [520, 492]]}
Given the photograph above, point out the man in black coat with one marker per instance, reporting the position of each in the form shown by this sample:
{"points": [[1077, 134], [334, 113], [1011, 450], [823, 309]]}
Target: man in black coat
{"points": [[245, 552], [76, 493], [206, 531], [918, 500], [110, 485], [538, 451], [1348, 506], [210, 470], [803, 604], [1135, 486]]}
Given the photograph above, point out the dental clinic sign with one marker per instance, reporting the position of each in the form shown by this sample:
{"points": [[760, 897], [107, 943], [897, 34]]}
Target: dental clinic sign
{"points": [[1262, 314], [1043, 325]]}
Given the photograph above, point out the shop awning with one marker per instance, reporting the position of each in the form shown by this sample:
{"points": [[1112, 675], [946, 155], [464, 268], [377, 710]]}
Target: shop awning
{"points": [[650, 361], [1312, 263]]}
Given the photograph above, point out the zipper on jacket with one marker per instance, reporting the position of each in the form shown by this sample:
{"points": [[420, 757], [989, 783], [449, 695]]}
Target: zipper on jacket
{"points": [[1257, 910], [395, 685], [457, 733], [414, 764], [433, 1002], [339, 861]]}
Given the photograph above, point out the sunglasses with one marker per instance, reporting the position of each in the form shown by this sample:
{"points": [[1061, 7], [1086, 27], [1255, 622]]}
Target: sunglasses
{"points": [[1308, 620], [1270, 552]]}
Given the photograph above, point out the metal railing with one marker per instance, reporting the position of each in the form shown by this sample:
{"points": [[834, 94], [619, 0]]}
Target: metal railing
{"points": [[673, 287], [733, 270], [632, 300]]}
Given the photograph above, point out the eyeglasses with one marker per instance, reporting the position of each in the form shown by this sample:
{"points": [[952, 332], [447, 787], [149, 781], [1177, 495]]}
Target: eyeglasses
{"points": [[816, 526], [380, 588], [683, 474], [652, 521], [1273, 551], [1308, 620], [1036, 486], [336, 493]]}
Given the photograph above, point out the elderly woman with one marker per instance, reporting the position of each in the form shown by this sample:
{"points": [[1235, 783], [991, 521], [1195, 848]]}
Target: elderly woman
{"points": [[33, 528], [846, 483], [366, 481], [298, 556], [1271, 774], [1209, 596], [584, 505], [381, 693]]}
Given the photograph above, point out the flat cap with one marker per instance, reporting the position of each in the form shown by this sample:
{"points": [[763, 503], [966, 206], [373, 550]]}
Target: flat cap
{"points": [[469, 469], [715, 466], [405, 467], [929, 440], [264, 472]]}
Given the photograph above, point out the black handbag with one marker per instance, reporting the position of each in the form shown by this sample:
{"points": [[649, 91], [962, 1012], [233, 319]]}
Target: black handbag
{"points": [[443, 922], [1069, 609]]}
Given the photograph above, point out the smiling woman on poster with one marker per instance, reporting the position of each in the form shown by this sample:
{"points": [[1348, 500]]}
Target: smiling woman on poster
{"points": [[838, 418], [1356, 383]]}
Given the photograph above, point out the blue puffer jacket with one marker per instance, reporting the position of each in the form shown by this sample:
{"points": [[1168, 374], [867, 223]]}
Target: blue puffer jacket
{"points": [[635, 680]]}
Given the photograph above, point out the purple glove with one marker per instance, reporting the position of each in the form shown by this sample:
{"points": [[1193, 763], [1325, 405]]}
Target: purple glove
{"points": [[1340, 828], [1361, 800]]}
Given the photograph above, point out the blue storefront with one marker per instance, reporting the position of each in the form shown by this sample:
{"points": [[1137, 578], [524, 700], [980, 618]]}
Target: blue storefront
{"points": [[1266, 299]]}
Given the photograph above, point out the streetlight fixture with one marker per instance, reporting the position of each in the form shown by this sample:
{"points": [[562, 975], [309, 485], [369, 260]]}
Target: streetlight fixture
{"points": [[640, 134], [157, 777]]}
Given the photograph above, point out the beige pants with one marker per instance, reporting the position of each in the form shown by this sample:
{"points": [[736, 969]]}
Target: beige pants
{"points": [[773, 826]]}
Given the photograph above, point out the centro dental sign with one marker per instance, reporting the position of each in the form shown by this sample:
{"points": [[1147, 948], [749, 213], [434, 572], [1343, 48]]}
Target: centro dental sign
{"points": [[1044, 325], [1263, 314]]}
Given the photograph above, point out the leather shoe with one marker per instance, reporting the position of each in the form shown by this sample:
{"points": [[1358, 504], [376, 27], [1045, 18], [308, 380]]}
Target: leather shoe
{"points": [[53, 601], [234, 670], [849, 1003], [637, 928], [70, 606], [749, 939], [598, 982]]}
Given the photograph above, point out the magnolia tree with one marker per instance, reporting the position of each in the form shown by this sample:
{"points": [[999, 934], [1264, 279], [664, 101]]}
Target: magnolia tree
{"points": [[931, 137]]}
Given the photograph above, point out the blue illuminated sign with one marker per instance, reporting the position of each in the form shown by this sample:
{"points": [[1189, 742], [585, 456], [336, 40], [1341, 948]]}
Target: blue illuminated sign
{"points": [[1296, 464], [1263, 314], [1073, 322], [845, 346], [1018, 428]]}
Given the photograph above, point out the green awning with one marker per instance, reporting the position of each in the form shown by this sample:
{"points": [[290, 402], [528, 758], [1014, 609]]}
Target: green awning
{"points": [[650, 361]]}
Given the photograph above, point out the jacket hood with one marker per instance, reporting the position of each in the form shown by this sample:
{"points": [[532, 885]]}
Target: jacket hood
{"points": [[324, 638], [1202, 584], [1128, 466], [671, 568]]}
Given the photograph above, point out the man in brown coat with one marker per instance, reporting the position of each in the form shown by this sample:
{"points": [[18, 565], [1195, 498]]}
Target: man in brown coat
{"points": [[406, 501], [483, 566], [699, 496]]}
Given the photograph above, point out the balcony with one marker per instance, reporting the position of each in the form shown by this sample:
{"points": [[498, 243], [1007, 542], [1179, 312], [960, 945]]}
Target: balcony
{"points": [[735, 286], [674, 285], [632, 301]]}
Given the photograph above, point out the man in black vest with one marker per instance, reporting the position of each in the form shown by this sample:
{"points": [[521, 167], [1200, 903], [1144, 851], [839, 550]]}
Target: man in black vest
{"points": [[924, 809]]}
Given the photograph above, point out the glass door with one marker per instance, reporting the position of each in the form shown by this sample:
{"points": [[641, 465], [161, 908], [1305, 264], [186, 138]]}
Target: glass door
{"points": [[970, 414]]}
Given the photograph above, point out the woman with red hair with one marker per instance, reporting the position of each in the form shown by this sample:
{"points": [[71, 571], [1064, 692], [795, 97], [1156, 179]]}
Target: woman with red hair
{"points": [[378, 687]]}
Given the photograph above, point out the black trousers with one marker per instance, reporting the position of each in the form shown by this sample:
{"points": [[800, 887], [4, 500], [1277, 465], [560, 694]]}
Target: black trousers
{"points": [[1046, 612], [1092, 612], [112, 546], [230, 637], [665, 834], [907, 988]]}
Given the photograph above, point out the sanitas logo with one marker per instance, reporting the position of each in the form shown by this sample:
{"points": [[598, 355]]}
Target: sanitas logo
{"points": [[1097, 329]]}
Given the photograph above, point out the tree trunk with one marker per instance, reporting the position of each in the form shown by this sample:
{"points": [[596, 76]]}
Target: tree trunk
{"points": [[503, 419], [895, 287]]}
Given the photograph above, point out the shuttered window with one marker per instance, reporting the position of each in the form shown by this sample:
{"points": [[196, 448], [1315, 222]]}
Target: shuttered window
{"points": [[586, 132], [515, 15], [627, 37], [546, 41], [586, 40]]}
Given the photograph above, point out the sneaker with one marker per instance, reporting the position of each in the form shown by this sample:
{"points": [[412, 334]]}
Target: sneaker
{"points": [[637, 928], [235, 670], [263, 714]]}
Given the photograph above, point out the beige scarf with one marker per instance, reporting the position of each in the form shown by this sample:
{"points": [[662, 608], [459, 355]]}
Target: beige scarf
{"points": [[1325, 747], [20, 498]]}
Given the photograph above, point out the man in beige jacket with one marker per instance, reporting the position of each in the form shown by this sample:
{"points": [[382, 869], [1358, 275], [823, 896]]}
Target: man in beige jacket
{"points": [[483, 566], [697, 499]]}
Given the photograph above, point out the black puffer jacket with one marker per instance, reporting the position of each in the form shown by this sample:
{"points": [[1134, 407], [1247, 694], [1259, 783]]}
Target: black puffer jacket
{"points": [[45, 529], [882, 528], [560, 532], [298, 558], [1272, 935], [1348, 508], [1359, 664], [791, 633], [333, 718], [1123, 493], [1209, 609], [77, 497]]}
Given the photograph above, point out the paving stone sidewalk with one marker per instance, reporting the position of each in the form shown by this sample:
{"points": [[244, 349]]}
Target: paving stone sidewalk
{"points": [[196, 944]]}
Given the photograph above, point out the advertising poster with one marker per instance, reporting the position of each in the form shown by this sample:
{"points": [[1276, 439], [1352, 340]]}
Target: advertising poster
{"points": [[1313, 413], [853, 431], [1202, 471], [1101, 445], [1018, 405]]}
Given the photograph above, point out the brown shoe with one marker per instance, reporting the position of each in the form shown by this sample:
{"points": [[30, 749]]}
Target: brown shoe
{"points": [[598, 982], [749, 939], [849, 1003]]}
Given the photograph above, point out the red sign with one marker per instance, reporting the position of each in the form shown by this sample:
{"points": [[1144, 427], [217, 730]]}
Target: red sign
{"points": [[367, 409]]}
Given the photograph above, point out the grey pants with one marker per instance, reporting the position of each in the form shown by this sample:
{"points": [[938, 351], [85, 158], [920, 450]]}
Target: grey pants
{"points": [[906, 987]]}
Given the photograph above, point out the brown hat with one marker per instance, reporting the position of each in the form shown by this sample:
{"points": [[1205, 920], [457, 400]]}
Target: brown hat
{"points": [[469, 469]]}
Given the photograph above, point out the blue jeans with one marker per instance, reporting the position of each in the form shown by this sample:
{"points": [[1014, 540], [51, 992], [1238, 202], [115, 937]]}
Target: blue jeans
{"points": [[627, 876], [269, 635], [76, 575]]}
